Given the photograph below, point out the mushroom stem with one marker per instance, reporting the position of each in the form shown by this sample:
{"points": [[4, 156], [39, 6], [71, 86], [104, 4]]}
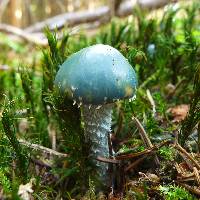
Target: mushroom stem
{"points": [[97, 127]]}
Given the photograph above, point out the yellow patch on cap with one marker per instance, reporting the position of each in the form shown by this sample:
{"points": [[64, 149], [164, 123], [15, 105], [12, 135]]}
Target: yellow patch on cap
{"points": [[128, 91]]}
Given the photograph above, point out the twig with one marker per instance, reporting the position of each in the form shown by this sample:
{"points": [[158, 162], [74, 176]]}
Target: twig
{"points": [[142, 153], [178, 168], [142, 133], [185, 178], [30, 37], [134, 164], [145, 137], [74, 18], [119, 158], [107, 160], [182, 150], [4, 67], [154, 4], [134, 155], [188, 161], [196, 173], [191, 189], [41, 163], [70, 19], [99, 16], [182, 175], [45, 150]]}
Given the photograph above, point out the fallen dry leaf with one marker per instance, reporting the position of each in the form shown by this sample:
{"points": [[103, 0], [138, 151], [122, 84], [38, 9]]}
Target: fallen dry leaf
{"points": [[179, 112], [115, 197], [149, 176], [25, 190], [23, 125]]}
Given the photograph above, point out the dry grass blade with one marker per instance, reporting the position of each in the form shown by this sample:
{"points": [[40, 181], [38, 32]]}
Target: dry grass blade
{"points": [[179, 169], [184, 176], [181, 151], [134, 155], [142, 153], [151, 102], [107, 160], [145, 137], [142, 133], [43, 149], [187, 161]]}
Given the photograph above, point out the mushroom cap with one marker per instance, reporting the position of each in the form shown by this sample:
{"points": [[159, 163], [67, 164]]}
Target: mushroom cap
{"points": [[97, 75]]}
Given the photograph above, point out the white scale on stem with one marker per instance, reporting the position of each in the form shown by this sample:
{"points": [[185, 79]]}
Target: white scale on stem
{"points": [[97, 127]]}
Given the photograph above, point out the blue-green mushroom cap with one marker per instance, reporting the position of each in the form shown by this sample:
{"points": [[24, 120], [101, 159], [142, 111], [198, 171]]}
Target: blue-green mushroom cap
{"points": [[97, 75]]}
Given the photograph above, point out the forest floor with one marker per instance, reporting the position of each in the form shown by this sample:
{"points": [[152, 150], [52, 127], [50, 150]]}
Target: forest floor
{"points": [[155, 139]]}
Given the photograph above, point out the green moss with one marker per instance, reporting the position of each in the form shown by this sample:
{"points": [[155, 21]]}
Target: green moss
{"points": [[172, 192]]}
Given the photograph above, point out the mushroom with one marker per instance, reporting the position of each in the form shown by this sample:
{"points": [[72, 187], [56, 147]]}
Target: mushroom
{"points": [[151, 50], [94, 78]]}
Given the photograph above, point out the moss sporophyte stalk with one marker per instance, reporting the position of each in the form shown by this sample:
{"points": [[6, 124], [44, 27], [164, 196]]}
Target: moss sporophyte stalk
{"points": [[94, 78]]}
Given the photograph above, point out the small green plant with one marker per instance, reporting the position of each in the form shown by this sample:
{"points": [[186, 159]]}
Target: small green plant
{"points": [[193, 116], [4, 181], [167, 153], [126, 150], [172, 192], [90, 194], [8, 117]]}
